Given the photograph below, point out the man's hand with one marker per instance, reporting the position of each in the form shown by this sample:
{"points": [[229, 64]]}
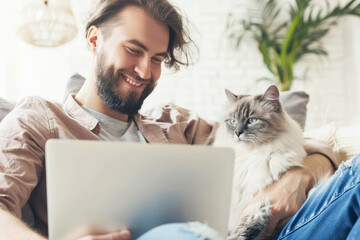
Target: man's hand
{"points": [[89, 232], [119, 235], [289, 193], [286, 197]]}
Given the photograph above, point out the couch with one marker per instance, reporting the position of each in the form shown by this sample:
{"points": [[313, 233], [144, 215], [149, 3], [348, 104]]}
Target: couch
{"points": [[345, 141]]}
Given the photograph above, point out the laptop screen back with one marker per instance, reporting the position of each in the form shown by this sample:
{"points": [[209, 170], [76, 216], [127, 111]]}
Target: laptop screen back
{"points": [[136, 185]]}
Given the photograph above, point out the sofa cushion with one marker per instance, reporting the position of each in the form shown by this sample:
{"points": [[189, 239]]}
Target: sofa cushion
{"points": [[344, 140], [294, 103], [73, 85], [5, 107]]}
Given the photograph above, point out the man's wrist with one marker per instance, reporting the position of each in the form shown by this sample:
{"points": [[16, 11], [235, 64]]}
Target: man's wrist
{"points": [[308, 178], [317, 167]]}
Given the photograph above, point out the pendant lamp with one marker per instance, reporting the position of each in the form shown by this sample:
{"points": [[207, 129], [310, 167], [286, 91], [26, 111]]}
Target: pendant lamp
{"points": [[48, 23]]}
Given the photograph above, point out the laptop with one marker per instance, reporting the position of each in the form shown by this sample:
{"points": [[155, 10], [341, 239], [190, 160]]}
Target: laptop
{"points": [[136, 185]]}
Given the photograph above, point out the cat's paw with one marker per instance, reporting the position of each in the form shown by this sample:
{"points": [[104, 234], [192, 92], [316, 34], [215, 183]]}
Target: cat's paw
{"points": [[253, 223]]}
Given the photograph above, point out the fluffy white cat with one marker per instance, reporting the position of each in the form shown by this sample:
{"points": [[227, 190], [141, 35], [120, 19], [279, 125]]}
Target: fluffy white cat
{"points": [[267, 142]]}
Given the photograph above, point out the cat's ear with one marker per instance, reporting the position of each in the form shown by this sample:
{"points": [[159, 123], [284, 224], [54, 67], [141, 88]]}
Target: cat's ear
{"points": [[232, 97], [272, 93], [271, 99]]}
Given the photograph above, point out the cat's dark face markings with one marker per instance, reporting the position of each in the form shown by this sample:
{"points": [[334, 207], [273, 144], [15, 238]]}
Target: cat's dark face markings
{"points": [[255, 119]]}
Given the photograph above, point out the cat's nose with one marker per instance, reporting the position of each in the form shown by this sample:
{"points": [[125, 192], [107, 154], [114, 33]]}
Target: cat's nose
{"points": [[238, 133]]}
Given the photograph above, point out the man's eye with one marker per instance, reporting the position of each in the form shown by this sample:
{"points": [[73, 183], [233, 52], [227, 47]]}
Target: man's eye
{"points": [[133, 51], [252, 120], [233, 122], [157, 60]]}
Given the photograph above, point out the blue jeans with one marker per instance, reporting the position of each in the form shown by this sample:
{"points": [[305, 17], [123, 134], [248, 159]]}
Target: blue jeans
{"points": [[182, 231], [331, 212]]}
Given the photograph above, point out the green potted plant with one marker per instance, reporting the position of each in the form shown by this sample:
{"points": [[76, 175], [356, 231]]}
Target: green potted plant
{"points": [[283, 43]]}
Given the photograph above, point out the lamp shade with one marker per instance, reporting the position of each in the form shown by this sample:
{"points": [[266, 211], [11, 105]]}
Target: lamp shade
{"points": [[48, 23]]}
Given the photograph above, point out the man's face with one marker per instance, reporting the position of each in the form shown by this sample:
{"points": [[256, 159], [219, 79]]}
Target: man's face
{"points": [[129, 60]]}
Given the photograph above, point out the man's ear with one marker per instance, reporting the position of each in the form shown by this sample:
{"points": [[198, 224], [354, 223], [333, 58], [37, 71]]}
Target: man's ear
{"points": [[93, 38]]}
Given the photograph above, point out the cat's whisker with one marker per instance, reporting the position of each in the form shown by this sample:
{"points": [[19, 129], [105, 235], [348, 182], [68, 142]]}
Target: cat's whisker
{"points": [[253, 140]]}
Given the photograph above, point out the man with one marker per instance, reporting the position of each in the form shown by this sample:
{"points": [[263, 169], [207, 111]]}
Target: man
{"points": [[129, 40]]}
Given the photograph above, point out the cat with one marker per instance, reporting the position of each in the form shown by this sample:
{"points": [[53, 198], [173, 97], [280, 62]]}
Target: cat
{"points": [[267, 142]]}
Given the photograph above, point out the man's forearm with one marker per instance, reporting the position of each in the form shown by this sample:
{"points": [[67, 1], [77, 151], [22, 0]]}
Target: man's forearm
{"points": [[289, 193], [318, 167], [13, 228]]}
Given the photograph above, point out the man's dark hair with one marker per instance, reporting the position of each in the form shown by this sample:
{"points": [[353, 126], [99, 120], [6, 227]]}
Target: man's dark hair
{"points": [[105, 11]]}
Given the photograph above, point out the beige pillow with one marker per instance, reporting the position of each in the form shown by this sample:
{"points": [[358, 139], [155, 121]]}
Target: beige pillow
{"points": [[344, 140]]}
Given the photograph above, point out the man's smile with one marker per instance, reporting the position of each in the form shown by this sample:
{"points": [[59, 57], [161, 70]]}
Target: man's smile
{"points": [[133, 82]]}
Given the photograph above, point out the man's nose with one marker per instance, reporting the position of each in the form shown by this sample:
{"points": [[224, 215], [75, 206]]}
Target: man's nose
{"points": [[143, 68]]}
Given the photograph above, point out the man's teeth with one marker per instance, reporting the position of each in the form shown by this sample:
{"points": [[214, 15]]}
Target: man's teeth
{"points": [[133, 83]]}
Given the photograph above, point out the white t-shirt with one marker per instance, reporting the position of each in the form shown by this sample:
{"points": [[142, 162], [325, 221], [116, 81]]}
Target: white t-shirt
{"points": [[115, 130]]}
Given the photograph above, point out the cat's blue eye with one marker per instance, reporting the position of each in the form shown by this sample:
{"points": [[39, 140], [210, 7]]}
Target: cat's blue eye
{"points": [[252, 120], [233, 122]]}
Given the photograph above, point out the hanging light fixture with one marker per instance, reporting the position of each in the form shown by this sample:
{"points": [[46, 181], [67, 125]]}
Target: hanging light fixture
{"points": [[48, 23]]}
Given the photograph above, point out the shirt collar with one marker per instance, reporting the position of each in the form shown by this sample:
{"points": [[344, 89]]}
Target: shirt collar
{"points": [[78, 113], [150, 130]]}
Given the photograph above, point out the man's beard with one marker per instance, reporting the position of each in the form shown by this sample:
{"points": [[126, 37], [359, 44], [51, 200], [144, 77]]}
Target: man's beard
{"points": [[107, 83]]}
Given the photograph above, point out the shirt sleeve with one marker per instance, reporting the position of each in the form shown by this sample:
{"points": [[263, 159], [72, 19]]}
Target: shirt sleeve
{"points": [[23, 134], [201, 131], [188, 124], [173, 124]]}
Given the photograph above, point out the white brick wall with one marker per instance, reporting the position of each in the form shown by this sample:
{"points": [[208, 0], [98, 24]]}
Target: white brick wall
{"points": [[333, 83]]}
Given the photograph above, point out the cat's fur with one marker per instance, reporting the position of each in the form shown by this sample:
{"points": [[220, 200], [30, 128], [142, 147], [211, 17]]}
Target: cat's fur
{"points": [[265, 149]]}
